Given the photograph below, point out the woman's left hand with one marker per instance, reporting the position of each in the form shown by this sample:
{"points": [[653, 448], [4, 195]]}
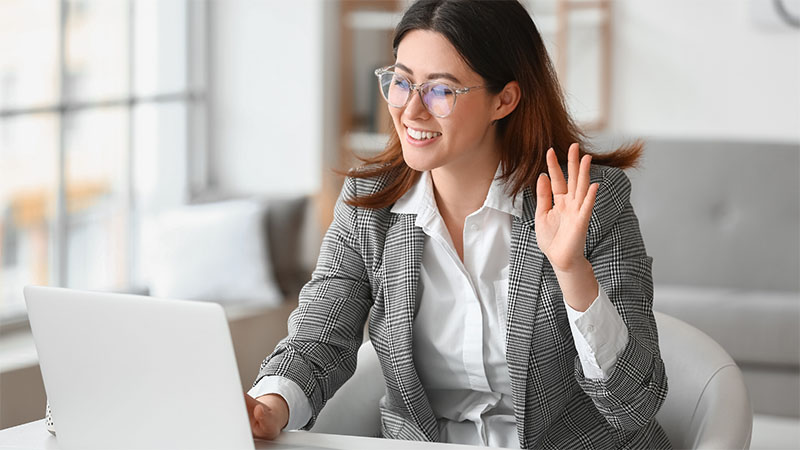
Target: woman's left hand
{"points": [[562, 223]]}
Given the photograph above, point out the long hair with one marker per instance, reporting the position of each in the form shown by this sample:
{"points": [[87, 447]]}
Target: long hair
{"points": [[500, 42]]}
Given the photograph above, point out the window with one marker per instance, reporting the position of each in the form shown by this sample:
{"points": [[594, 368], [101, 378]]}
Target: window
{"points": [[102, 106]]}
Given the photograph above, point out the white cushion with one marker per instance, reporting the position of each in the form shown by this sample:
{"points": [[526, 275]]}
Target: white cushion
{"points": [[216, 252]]}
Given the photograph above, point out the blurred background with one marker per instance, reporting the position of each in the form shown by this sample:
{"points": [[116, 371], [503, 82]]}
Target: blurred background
{"points": [[120, 119]]}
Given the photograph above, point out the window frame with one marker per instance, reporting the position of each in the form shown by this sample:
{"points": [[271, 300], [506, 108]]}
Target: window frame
{"points": [[194, 97]]}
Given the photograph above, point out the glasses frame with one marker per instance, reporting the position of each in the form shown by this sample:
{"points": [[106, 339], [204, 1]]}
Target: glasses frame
{"points": [[419, 87]]}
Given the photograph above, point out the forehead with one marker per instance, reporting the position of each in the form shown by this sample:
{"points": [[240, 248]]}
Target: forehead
{"points": [[425, 52]]}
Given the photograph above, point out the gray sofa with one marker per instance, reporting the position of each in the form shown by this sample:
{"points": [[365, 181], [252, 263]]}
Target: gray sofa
{"points": [[722, 223]]}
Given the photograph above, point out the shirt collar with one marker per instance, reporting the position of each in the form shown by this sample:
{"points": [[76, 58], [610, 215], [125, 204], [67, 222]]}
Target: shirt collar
{"points": [[419, 199], [499, 199]]}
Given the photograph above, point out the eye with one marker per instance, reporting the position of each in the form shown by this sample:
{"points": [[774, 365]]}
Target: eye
{"points": [[401, 82], [441, 90]]}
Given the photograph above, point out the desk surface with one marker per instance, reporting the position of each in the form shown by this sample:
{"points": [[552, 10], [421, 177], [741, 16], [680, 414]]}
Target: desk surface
{"points": [[34, 436]]}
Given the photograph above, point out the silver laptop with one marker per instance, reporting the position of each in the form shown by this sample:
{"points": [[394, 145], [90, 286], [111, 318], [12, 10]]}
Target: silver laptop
{"points": [[134, 372]]}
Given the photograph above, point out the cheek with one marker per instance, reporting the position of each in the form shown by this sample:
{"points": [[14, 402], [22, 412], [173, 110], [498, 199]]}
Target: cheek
{"points": [[396, 114], [464, 130], [471, 123]]}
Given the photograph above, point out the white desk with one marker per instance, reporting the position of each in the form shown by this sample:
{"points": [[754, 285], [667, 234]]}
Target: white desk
{"points": [[34, 436]]}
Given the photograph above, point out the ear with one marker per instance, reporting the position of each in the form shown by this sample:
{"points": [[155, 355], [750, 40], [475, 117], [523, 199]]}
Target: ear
{"points": [[506, 101]]}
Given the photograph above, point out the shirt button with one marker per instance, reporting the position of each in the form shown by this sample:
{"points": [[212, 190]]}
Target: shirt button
{"points": [[590, 328], [474, 227]]}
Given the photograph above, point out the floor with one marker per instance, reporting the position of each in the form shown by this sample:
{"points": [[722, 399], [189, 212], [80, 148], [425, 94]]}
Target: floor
{"points": [[775, 433]]}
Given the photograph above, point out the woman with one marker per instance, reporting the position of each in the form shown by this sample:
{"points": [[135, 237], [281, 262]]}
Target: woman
{"points": [[507, 307]]}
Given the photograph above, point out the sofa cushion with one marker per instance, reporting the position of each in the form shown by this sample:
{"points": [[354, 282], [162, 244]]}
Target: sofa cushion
{"points": [[287, 222], [214, 251], [754, 327], [292, 237]]}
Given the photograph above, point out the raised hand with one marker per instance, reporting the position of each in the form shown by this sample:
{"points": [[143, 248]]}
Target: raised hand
{"points": [[563, 210]]}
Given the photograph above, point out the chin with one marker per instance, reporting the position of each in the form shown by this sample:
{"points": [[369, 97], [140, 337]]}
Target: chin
{"points": [[417, 161]]}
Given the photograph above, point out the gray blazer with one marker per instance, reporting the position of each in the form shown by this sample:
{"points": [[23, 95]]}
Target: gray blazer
{"points": [[368, 269]]}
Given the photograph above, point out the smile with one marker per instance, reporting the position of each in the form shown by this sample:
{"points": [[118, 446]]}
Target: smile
{"points": [[422, 135]]}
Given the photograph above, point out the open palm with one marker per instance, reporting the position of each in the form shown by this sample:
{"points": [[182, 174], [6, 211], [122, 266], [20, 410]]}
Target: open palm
{"points": [[563, 209]]}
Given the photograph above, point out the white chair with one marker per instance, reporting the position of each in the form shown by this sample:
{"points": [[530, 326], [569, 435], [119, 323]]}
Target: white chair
{"points": [[707, 406]]}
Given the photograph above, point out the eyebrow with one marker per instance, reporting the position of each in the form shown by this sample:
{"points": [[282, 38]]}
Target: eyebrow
{"points": [[431, 76]]}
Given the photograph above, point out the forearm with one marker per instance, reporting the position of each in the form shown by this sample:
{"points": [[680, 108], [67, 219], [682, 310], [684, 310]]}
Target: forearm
{"points": [[600, 336]]}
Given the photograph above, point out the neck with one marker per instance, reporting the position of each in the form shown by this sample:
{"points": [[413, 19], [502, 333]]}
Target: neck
{"points": [[460, 192]]}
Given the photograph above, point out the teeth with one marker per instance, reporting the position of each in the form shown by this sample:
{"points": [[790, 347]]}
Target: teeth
{"points": [[422, 135]]}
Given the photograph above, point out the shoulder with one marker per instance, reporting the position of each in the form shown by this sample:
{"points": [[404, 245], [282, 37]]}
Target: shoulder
{"points": [[355, 187], [612, 206], [614, 193], [360, 217]]}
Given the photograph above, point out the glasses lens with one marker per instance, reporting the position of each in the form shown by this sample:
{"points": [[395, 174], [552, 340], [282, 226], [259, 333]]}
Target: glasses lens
{"points": [[439, 99], [394, 88]]}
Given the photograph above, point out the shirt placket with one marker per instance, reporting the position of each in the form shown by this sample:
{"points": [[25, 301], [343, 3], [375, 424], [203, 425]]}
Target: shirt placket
{"points": [[473, 326], [473, 330], [472, 338]]}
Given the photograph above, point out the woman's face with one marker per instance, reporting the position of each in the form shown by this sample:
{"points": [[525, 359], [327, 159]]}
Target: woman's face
{"points": [[463, 138]]}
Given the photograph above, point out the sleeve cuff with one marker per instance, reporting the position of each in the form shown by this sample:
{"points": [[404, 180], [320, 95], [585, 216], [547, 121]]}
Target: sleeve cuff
{"points": [[299, 404], [600, 336]]}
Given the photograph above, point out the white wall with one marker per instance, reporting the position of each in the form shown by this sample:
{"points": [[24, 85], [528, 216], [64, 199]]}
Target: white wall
{"points": [[704, 69], [267, 116]]}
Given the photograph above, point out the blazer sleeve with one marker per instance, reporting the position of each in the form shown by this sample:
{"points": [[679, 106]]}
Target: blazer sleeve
{"points": [[630, 398], [326, 329]]}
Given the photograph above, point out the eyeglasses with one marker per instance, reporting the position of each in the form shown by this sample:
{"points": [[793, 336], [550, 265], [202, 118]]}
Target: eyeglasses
{"points": [[439, 98]]}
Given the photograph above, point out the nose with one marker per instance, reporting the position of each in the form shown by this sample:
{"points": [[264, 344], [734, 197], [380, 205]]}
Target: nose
{"points": [[415, 109]]}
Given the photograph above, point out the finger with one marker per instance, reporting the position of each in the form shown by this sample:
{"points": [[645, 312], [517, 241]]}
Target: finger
{"points": [[544, 200], [583, 177], [588, 202], [557, 182], [572, 168]]}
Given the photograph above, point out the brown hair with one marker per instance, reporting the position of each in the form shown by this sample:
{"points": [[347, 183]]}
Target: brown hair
{"points": [[500, 42]]}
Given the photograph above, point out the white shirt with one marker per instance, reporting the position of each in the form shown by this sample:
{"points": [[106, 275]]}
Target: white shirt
{"points": [[461, 360]]}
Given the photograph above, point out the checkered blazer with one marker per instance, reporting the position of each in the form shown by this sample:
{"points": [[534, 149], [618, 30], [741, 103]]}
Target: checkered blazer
{"points": [[368, 270]]}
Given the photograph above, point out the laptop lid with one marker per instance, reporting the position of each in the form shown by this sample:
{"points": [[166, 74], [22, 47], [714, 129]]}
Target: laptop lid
{"points": [[134, 372]]}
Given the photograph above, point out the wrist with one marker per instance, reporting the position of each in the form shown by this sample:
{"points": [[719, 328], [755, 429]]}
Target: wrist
{"points": [[279, 407], [578, 285], [576, 269]]}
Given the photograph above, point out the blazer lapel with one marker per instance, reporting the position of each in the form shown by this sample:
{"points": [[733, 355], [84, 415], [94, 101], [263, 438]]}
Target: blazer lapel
{"points": [[525, 272], [402, 258]]}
